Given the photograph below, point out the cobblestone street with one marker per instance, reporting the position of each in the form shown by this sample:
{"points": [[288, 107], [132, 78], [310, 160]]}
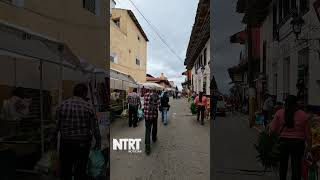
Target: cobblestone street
{"points": [[181, 152]]}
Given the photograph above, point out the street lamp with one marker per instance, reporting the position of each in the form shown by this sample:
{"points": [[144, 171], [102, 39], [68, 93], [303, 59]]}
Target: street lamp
{"points": [[297, 23]]}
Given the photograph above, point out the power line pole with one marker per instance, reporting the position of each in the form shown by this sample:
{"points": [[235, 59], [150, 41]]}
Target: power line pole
{"points": [[250, 64]]}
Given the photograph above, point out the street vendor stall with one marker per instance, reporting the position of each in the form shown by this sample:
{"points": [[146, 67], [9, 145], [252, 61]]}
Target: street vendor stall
{"points": [[45, 71], [120, 85]]}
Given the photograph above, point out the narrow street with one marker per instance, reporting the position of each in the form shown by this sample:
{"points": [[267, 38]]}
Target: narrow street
{"points": [[234, 155], [181, 152]]}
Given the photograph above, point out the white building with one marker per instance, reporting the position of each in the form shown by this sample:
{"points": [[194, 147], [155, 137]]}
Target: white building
{"points": [[198, 52], [201, 71], [285, 59]]}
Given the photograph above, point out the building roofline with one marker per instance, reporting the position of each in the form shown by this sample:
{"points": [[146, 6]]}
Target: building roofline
{"points": [[136, 22]]}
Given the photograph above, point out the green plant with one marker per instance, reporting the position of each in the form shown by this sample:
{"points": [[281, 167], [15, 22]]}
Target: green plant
{"points": [[267, 147], [193, 108]]}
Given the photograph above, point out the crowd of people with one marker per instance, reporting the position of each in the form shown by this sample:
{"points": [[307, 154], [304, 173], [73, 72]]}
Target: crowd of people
{"points": [[153, 102]]}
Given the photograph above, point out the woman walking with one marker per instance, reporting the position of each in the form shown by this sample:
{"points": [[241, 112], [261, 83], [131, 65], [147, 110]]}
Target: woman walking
{"points": [[293, 126], [201, 103]]}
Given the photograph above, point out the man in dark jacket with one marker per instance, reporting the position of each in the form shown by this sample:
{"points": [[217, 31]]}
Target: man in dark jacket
{"points": [[165, 107]]}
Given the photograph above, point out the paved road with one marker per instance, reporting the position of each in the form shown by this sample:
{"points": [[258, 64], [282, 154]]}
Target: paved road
{"points": [[232, 150], [181, 152]]}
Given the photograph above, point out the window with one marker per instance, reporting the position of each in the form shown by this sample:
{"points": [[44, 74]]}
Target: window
{"points": [[280, 11], [138, 62], [286, 8], [117, 21], [89, 5], [138, 38], [19, 3], [275, 22], [303, 72], [286, 77], [264, 65], [205, 56], [304, 6], [113, 58]]}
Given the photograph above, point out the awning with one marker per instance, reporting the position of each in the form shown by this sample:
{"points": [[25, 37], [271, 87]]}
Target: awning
{"points": [[121, 81], [150, 85], [16, 42]]}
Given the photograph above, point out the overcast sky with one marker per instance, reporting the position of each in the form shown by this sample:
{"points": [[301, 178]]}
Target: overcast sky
{"points": [[174, 20], [224, 23]]}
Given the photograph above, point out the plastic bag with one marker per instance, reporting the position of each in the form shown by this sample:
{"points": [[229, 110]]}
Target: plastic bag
{"points": [[124, 113], [96, 165], [309, 169], [140, 114]]}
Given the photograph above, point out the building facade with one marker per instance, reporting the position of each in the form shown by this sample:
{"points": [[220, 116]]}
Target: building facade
{"points": [[198, 52], [128, 45], [201, 71], [286, 59], [79, 24]]}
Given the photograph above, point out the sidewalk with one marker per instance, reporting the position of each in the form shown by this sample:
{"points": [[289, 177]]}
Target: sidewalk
{"points": [[233, 153]]}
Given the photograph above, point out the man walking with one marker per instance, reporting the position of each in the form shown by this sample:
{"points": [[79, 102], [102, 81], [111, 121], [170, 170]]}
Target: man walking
{"points": [[134, 103], [165, 107], [151, 106], [76, 122]]}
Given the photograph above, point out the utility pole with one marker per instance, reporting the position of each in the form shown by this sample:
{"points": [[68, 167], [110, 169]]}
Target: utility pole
{"points": [[250, 64]]}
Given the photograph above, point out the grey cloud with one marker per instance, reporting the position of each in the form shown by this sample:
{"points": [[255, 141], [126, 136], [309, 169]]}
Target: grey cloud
{"points": [[174, 22]]}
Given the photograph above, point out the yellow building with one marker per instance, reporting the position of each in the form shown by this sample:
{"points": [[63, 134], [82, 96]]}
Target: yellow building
{"points": [[79, 24], [128, 45]]}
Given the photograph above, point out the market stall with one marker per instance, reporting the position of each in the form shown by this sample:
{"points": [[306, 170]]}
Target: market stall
{"points": [[120, 85], [44, 70]]}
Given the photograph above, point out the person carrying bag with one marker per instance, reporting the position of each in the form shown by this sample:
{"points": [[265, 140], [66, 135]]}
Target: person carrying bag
{"points": [[293, 127]]}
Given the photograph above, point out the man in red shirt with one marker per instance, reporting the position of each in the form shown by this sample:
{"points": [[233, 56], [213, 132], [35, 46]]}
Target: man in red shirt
{"points": [[151, 108]]}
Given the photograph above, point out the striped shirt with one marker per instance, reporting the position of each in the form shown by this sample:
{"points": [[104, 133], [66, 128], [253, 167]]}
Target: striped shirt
{"points": [[77, 121], [134, 99], [147, 114]]}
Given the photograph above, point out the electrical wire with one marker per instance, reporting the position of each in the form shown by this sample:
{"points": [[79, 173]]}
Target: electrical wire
{"points": [[157, 32]]}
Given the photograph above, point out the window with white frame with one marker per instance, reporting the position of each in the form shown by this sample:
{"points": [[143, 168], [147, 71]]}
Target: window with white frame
{"points": [[286, 77], [205, 56], [114, 58], [138, 62], [116, 21]]}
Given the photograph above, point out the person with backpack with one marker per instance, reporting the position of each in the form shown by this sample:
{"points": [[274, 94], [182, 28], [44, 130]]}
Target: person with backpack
{"points": [[201, 103], [165, 107], [151, 108], [293, 127]]}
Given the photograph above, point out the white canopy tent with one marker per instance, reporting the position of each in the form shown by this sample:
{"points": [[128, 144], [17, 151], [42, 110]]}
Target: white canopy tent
{"points": [[121, 81], [149, 85], [40, 63]]}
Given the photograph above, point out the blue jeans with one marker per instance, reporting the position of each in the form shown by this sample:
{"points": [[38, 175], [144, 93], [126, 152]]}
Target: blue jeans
{"points": [[165, 115]]}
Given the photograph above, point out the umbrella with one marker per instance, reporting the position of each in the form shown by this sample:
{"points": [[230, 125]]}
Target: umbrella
{"points": [[152, 86]]}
